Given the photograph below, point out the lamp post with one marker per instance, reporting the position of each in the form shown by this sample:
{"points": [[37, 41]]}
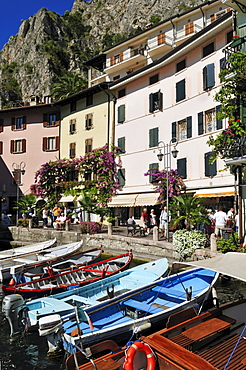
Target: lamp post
{"points": [[18, 171], [167, 166]]}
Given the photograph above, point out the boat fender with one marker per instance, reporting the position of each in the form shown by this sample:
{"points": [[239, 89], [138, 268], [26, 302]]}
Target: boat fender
{"points": [[12, 281], [50, 270], [131, 351], [215, 298]]}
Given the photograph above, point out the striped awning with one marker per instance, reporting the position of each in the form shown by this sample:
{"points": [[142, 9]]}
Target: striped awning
{"points": [[123, 200], [67, 199], [146, 199], [216, 192]]}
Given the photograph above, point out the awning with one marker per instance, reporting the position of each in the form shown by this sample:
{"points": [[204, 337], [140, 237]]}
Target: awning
{"points": [[124, 200], [146, 199], [230, 264], [216, 192], [67, 198]]}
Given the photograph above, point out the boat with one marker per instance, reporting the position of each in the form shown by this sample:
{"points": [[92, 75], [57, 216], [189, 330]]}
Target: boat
{"points": [[63, 303], [62, 264], [213, 340], [131, 313], [31, 248], [56, 283], [16, 266]]}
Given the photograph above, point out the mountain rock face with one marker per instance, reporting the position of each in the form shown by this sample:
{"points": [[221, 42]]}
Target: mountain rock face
{"points": [[47, 44]]}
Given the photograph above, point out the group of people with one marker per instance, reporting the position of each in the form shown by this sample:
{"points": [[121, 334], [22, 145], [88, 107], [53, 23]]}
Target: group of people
{"points": [[221, 219], [58, 217]]}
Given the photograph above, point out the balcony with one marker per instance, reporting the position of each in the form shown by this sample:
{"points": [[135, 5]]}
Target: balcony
{"points": [[161, 44], [125, 60], [189, 30]]}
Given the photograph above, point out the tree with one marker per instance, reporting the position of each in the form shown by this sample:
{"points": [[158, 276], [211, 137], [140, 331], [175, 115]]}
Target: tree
{"points": [[25, 203], [69, 83], [187, 211]]}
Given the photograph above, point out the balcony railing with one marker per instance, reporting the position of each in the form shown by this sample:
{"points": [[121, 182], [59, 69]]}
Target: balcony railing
{"points": [[124, 56], [187, 32]]}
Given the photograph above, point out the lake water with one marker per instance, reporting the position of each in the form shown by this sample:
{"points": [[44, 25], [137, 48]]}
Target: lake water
{"points": [[29, 351]]}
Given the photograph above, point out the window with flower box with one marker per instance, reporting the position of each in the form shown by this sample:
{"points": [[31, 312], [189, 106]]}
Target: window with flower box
{"points": [[18, 146], [51, 119], [18, 123], [50, 143]]}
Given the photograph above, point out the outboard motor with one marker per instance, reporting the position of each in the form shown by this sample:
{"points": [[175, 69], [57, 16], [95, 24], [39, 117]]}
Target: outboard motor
{"points": [[13, 307], [51, 327]]}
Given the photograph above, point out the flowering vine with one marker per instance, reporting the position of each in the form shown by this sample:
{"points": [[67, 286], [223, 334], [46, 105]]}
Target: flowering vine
{"points": [[175, 183], [97, 169]]}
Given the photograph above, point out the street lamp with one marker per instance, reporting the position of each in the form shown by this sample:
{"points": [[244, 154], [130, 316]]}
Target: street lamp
{"points": [[18, 171], [167, 166]]}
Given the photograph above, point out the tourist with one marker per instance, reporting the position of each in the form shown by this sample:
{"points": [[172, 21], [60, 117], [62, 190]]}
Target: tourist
{"points": [[60, 222], [56, 212], [45, 214], [163, 222], [153, 221], [220, 219], [145, 220]]}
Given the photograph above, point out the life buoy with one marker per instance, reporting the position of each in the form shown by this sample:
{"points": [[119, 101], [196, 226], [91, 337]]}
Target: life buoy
{"points": [[143, 347]]}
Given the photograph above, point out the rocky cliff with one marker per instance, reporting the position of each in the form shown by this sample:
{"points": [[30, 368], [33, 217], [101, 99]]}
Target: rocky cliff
{"points": [[47, 44]]}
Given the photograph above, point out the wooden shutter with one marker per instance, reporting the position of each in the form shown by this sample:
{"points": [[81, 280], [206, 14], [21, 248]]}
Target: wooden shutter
{"points": [[200, 123], [24, 122], [72, 150], [210, 169], [121, 56], [189, 126], [180, 90], [57, 118], [174, 130], [189, 28], [88, 145], [121, 113], [212, 18], [153, 137], [45, 120], [45, 141], [12, 123], [12, 146], [182, 167], [121, 144], [112, 61], [152, 167], [161, 38], [218, 121], [1, 124], [57, 143], [1, 147], [23, 145]]}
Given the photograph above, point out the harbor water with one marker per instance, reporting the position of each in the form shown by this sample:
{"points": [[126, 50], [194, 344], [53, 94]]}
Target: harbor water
{"points": [[28, 351]]}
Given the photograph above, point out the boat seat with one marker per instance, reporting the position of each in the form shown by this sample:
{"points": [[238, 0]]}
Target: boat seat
{"points": [[170, 292], [142, 306]]}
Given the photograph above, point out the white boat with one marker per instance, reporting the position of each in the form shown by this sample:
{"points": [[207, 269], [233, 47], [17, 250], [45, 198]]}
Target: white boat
{"points": [[31, 248], [14, 266]]}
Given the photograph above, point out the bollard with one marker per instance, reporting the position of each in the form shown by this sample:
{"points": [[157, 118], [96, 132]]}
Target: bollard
{"points": [[30, 223], [110, 228], [213, 244], [155, 233], [67, 225]]}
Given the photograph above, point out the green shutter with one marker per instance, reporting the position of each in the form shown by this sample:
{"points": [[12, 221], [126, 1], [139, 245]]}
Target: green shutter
{"points": [[153, 137], [189, 126], [159, 100], [210, 169], [218, 121], [121, 176], [174, 130], [121, 144], [182, 167], [121, 113], [208, 76], [151, 103], [153, 166], [180, 90], [200, 123]]}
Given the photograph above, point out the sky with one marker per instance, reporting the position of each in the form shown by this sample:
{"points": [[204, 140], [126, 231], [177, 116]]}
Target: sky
{"points": [[12, 12]]}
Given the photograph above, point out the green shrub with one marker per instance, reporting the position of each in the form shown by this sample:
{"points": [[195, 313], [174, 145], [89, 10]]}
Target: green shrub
{"points": [[23, 222], [230, 245], [186, 241]]}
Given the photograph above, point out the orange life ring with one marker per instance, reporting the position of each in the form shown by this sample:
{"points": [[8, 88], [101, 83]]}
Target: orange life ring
{"points": [[139, 346]]}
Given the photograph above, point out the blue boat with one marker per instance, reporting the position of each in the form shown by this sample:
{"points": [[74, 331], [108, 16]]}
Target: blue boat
{"points": [[85, 296], [129, 314]]}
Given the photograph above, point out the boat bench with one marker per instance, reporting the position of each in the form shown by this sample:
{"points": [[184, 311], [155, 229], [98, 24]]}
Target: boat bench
{"points": [[170, 292], [142, 306], [84, 300]]}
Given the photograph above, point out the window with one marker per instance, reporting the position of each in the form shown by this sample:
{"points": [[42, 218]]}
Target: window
{"points": [[208, 121], [72, 150], [18, 123], [51, 119], [122, 144], [121, 176], [183, 130], [50, 143], [161, 38], [181, 65], [208, 76], [152, 167], [153, 137], [73, 106], [209, 49], [182, 167], [116, 59], [88, 145], [155, 101], [88, 121], [210, 169], [1, 124], [1, 147], [18, 146], [72, 175], [89, 100], [121, 113], [189, 28], [154, 79], [72, 126], [121, 93], [180, 90]]}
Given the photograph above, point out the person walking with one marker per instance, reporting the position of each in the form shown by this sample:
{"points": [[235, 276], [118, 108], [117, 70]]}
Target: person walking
{"points": [[163, 222], [153, 221], [220, 219], [45, 214], [145, 220]]}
